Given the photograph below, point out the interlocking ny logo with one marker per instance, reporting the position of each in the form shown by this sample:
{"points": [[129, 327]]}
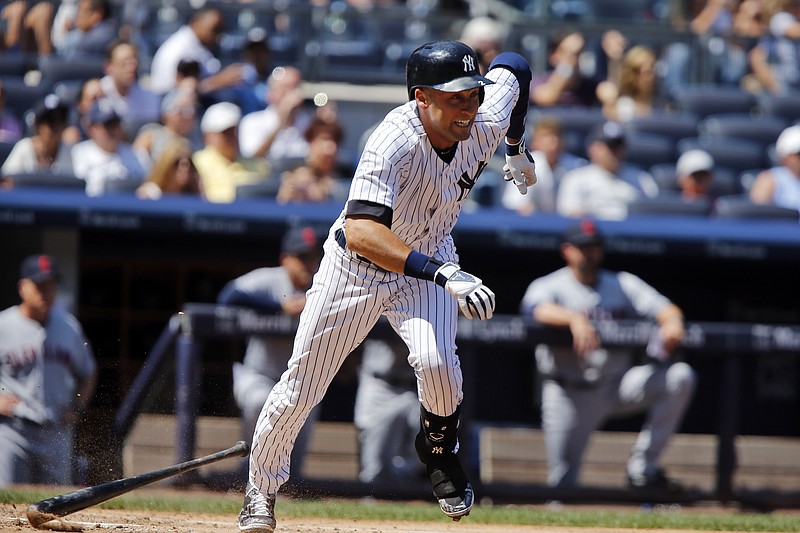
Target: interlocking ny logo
{"points": [[469, 63], [438, 450], [466, 182]]}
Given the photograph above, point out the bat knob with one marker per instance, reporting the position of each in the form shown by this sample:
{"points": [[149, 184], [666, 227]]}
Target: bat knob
{"points": [[245, 448], [36, 517]]}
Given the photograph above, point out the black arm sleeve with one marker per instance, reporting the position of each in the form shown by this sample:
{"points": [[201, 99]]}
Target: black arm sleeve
{"points": [[363, 207], [522, 70]]}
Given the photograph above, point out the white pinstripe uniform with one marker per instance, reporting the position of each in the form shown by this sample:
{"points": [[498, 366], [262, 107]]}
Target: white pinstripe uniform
{"points": [[399, 169]]}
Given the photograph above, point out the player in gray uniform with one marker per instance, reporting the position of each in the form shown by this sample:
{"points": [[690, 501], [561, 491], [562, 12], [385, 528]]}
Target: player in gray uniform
{"points": [[390, 253], [587, 383], [273, 290], [47, 378], [386, 414]]}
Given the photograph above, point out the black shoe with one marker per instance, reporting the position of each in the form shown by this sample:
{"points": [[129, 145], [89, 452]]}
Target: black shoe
{"points": [[450, 486], [657, 481]]}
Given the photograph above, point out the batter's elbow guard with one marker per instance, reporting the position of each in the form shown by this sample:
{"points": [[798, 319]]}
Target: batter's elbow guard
{"points": [[438, 435]]}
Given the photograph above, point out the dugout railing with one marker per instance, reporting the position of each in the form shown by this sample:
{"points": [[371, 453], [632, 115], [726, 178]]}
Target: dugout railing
{"points": [[196, 324]]}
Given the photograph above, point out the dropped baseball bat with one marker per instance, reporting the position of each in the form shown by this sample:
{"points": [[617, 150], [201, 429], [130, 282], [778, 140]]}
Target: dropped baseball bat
{"points": [[52, 508]]}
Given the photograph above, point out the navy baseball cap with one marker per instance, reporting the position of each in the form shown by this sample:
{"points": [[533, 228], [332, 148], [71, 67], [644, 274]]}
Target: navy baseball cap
{"points": [[583, 233], [39, 268], [102, 112], [300, 240], [610, 133]]}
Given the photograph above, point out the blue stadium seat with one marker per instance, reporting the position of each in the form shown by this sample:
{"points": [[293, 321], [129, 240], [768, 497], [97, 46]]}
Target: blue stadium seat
{"points": [[677, 126], [740, 206], [785, 106], [704, 99], [648, 149], [669, 204], [48, 179], [576, 121], [763, 130], [20, 97]]}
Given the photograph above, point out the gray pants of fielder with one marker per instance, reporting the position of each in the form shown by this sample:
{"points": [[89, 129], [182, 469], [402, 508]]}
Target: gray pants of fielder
{"points": [[570, 414], [30, 453]]}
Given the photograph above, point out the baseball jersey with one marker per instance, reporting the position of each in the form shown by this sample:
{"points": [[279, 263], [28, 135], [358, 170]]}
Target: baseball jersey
{"points": [[615, 296], [43, 365], [416, 193], [265, 289]]}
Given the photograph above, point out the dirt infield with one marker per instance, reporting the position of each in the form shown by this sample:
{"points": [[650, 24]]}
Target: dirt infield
{"points": [[12, 519]]}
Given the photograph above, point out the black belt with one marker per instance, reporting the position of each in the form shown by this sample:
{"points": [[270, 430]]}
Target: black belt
{"points": [[342, 241]]}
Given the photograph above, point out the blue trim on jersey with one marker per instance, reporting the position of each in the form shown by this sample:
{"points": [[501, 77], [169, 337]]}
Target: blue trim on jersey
{"points": [[519, 66]]}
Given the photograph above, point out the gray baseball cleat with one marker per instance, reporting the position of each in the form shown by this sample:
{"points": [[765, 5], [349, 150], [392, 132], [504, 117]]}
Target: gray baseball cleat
{"points": [[258, 512], [457, 507], [450, 486]]}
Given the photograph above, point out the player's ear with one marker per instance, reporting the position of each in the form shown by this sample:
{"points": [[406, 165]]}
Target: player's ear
{"points": [[421, 97]]}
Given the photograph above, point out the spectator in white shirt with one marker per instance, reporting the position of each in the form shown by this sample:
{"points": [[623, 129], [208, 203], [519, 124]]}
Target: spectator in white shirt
{"points": [[120, 85], [105, 157], [193, 42], [604, 188]]}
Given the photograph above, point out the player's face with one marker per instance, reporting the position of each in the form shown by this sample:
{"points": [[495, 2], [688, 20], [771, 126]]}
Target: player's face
{"points": [[585, 261], [448, 117], [37, 298]]}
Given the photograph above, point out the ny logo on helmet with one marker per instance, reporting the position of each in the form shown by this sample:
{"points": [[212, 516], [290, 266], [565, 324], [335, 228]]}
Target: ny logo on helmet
{"points": [[469, 63]]}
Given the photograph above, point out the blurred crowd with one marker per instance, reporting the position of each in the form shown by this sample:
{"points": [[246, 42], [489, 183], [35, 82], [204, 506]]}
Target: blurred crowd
{"points": [[618, 124]]}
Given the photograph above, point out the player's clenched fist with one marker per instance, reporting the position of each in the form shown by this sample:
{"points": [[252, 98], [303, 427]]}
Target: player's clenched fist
{"points": [[475, 299], [519, 167]]}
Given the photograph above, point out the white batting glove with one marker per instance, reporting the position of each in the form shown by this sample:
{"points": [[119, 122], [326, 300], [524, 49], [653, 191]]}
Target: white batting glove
{"points": [[519, 167], [474, 299]]}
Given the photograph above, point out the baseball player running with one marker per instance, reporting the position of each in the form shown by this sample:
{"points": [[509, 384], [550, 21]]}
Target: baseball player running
{"points": [[390, 253]]}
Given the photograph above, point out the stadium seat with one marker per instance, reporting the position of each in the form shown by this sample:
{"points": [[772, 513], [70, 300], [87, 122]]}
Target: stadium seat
{"points": [[762, 129], [15, 64], [47, 179], [704, 99], [258, 191], [740, 206], [123, 186], [5, 149], [20, 97], [648, 149], [726, 181], [677, 126], [669, 204], [728, 152], [785, 106], [56, 69]]}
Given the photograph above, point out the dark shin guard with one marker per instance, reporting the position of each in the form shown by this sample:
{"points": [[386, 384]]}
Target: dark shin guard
{"points": [[436, 443]]}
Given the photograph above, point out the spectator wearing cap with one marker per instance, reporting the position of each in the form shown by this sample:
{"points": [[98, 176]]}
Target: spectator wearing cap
{"points": [[277, 290], [194, 42], [134, 104], [258, 56], [221, 166], [695, 175], [44, 150], [178, 121], [105, 157], [604, 188], [47, 379], [780, 185], [587, 382]]}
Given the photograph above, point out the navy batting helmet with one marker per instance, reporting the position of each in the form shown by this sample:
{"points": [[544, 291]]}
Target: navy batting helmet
{"points": [[448, 66]]}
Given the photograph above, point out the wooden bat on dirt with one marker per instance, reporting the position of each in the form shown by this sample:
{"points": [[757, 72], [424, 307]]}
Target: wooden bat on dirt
{"points": [[52, 508]]}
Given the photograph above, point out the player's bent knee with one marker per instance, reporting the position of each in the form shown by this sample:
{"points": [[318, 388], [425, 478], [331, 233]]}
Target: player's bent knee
{"points": [[681, 378]]}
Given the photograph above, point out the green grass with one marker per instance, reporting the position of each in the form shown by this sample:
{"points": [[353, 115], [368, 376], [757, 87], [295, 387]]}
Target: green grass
{"points": [[229, 504]]}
